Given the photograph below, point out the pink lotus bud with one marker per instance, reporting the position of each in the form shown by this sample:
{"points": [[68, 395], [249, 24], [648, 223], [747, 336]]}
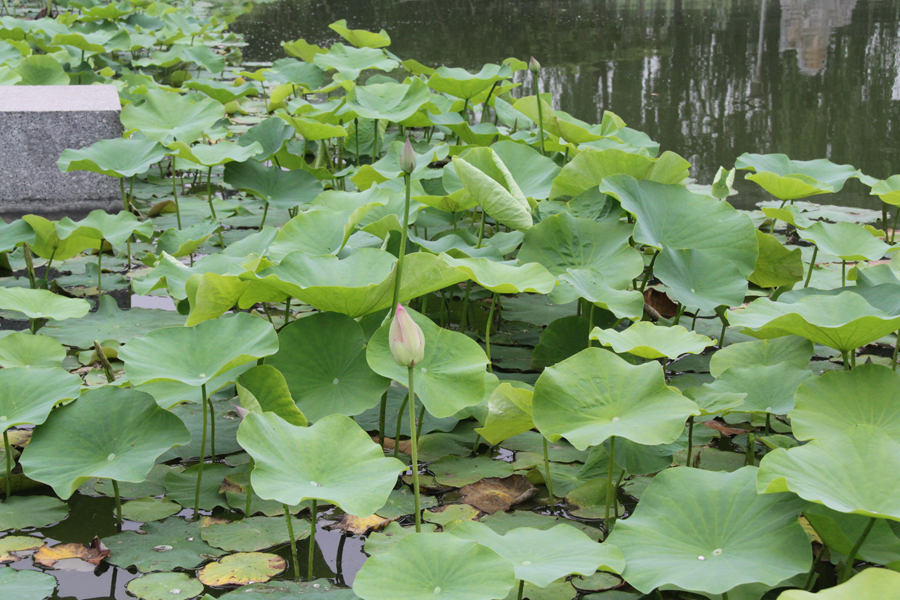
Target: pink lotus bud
{"points": [[241, 411], [406, 339], [408, 158], [533, 65]]}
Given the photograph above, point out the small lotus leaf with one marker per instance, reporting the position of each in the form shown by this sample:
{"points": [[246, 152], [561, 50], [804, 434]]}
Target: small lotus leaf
{"points": [[350, 62], [26, 585], [242, 569], [509, 413], [647, 340], [165, 586], [170, 544], [41, 304], [20, 512], [457, 471], [149, 509], [360, 37]]}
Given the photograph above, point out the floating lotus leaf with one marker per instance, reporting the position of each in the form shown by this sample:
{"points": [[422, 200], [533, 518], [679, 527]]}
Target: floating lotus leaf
{"points": [[172, 544], [503, 522], [216, 154], [776, 265], [166, 117], [788, 179], [149, 509], [793, 350], [241, 569], [317, 589], [165, 586], [254, 533], [588, 169], [709, 532], [838, 400], [509, 414], [848, 241], [449, 378], [458, 471], [26, 585], [323, 360], [843, 322], [851, 472], [647, 340], [463, 84], [281, 189], [870, 584], [27, 395], [115, 158], [350, 62], [389, 101], [489, 182], [41, 304], [505, 278], [25, 350], [99, 224], [360, 37], [768, 389], [216, 346], [596, 395], [382, 541], [294, 464], [71, 447], [421, 563], [20, 512], [542, 556], [263, 389], [401, 502]]}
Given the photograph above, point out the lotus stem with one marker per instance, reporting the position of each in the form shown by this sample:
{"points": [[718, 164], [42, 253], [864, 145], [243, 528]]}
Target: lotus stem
{"points": [[812, 265], [124, 197], [265, 213], [724, 327], [248, 509], [464, 317], [100, 268], [845, 359], [590, 324], [175, 195], [29, 265], [768, 423], [487, 332], [521, 588], [420, 421], [537, 87], [399, 423], [375, 142], [398, 268], [382, 413], [724, 595], [202, 458], [894, 228], [212, 210], [356, 129], [118, 496], [476, 444], [750, 456], [811, 578], [414, 451], [610, 488], [843, 273], [649, 272], [486, 104], [292, 540], [690, 461], [9, 468], [678, 312], [131, 190], [549, 480], [104, 362], [212, 429], [896, 348], [287, 311], [313, 514], [847, 569]]}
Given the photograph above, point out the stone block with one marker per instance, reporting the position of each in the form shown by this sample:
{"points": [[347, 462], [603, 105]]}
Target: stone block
{"points": [[36, 124]]}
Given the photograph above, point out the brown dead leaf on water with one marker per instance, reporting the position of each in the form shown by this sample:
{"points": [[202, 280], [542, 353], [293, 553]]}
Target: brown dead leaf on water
{"points": [[48, 556], [493, 494], [724, 429], [14, 547], [362, 525], [405, 445], [660, 302], [19, 437], [207, 521]]}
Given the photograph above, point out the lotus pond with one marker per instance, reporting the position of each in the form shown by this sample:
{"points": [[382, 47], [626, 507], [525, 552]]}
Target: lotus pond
{"points": [[431, 337]]}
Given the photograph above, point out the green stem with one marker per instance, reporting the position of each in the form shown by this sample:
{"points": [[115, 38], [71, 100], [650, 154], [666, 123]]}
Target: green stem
{"points": [[812, 572], [722, 335], [690, 441], [843, 273], [202, 458], [590, 324], [287, 311], [847, 570], [292, 541], [464, 317], [845, 359], [313, 515], [29, 265], [131, 190], [487, 332], [896, 348], [9, 468], [476, 444], [358, 157], [414, 451], [537, 87], [398, 268], [175, 195], [99, 268], [375, 142], [549, 480], [212, 210], [649, 272], [124, 197], [265, 213], [484, 107], [399, 423], [724, 595], [481, 230], [521, 588], [894, 228], [610, 494], [750, 457], [118, 496], [812, 265], [678, 313], [420, 421], [212, 429], [382, 413], [248, 508]]}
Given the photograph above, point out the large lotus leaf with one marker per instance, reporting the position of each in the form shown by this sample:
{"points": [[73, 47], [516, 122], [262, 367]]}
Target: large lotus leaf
{"points": [[271, 134], [213, 348], [887, 190], [424, 565], [323, 360], [48, 244], [172, 275], [669, 215], [115, 158], [281, 189], [490, 183], [41, 69], [332, 460], [26, 585], [592, 286], [564, 242], [843, 322], [350, 62], [172, 544], [360, 37], [15, 233], [448, 379], [540, 556], [595, 395], [792, 350], [299, 75], [838, 400], [509, 414], [505, 278], [462, 84], [852, 472], [588, 169], [216, 154], [709, 532], [316, 232], [41, 304], [768, 389], [561, 339], [111, 323], [870, 584], [393, 102], [848, 241], [222, 91], [647, 340], [532, 172], [75, 445], [166, 117], [27, 395], [776, 265], [25, 350], [788, 179], [115, 229], [263, 389]]}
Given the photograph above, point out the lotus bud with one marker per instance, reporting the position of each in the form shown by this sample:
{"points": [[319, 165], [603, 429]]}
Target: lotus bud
{"points": [[241, 411], [406, 339], [533, 65], [408, 158]]}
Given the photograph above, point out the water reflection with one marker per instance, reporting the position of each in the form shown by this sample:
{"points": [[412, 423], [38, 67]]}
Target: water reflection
{"points": [[806, 27]]}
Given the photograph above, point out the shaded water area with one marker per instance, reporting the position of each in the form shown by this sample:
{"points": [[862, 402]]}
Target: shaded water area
{"points": [[708, 79]]}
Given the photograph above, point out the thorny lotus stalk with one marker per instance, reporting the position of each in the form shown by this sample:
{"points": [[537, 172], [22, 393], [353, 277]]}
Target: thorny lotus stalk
{"points": [[535, 67], [8, 452]]}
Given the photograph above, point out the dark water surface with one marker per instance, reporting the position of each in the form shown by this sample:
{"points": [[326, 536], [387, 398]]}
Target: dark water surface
{"points": [[709, 79]]}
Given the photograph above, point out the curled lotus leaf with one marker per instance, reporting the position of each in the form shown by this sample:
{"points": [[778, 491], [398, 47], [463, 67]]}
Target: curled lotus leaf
{"points": [[788, 179], [41, 304], [647, 340]]}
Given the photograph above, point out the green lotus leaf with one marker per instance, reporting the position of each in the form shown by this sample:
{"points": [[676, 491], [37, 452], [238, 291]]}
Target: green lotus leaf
{"points": [[184, 242], [166, 117], [509, 413], [41, 69], [505, 278], [211, 295], [216, 346], [401, 502], [70, 447], [350, 62], [323, 360], [542, 556], [887, 190], [14, 234], [462, 84], [281, 189], [532, 172], [311, 129], [848, 241], [222, 91], [115, 229], [115, 158], [20, 512], [838, 400], [588, 169], [172, 544], [48, 244], [264, 389], [24, 350], [870, 584], [283, 589], [768, 389], [149, 509], [789, 214], [254, 533], [382, 541], [843, 322], [561, 339], [300, 76], [26, 585], [592, 286], [788, 179], [424, 562], [700, 278], [776, 265], [271, 134], [172, 275], [393, 102], [794, 351], [360, 37], [316, 232], [165, 586], [294, 464], [489, 182], [840, 531], [448, 379], [709, 532], [216, 154], [595, 395], [41, 304], [181, 486], [647, 340]]}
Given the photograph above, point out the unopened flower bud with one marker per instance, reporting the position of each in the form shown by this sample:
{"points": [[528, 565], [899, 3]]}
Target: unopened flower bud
{"points": [[533, 65], [408, 158], [407, 340]]}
